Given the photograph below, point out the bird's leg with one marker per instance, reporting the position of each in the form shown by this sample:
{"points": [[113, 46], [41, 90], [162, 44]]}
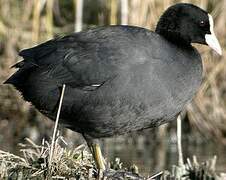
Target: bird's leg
{"points": [[96, 152]]}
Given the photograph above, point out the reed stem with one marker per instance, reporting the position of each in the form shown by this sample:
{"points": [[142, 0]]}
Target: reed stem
{"points": [[55, 127]]}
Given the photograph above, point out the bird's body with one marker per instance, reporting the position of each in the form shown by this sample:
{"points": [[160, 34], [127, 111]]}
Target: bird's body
{"points": [[118, 79]]}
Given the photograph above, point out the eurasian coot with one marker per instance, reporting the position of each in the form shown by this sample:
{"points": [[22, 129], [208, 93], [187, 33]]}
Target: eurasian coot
{"points": [[118, 78]]}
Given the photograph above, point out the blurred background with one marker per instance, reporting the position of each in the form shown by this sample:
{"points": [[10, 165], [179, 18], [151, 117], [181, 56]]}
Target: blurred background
{"points": [[25, 23]]}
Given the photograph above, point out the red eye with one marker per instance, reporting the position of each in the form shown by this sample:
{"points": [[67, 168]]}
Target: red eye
{"points": [[202, 23]]}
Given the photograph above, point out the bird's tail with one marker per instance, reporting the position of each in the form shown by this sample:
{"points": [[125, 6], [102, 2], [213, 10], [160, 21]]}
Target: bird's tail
{"points": [[18, 79]]}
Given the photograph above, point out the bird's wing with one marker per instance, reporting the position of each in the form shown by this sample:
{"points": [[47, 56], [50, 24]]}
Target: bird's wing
{"points": [[88, 59], [79, 71], [85, 65]]}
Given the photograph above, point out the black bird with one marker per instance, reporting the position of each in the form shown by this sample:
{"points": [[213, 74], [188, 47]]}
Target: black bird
{"points": [[118, 78]]}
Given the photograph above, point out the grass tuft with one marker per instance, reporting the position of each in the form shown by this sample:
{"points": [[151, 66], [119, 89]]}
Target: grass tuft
{"points": [[76, 163]]}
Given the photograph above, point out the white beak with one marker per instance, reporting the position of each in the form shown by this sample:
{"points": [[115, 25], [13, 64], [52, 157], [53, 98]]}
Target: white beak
{"points": [[211, 39]]}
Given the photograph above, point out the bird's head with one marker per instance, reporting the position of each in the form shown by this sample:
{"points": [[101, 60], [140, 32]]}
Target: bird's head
{"points": [[185, 24]]}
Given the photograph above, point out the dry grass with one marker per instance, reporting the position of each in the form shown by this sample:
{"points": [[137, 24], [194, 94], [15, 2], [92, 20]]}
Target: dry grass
{"points": [[28, 22], [76, 163]]}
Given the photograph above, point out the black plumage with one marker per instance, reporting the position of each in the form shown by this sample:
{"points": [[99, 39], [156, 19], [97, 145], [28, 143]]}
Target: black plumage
{"points": [[115, 81], [118, 78]]}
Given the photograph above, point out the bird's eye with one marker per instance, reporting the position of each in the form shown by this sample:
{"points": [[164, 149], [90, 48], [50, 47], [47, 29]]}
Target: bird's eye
{"points": [[202, 24]]}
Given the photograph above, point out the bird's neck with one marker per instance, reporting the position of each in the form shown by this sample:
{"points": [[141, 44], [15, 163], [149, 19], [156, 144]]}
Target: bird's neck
{"points": [[173, 36], [169, 28]]}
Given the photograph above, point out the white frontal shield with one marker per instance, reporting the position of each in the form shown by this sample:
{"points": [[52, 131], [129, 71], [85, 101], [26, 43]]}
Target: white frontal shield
{"points": [[211, 39]]}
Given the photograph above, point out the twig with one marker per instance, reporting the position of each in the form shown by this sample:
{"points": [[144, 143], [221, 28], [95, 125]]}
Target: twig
{"points": [[78, 15], [155, 176], [113, 12], [55, 127], [124, 12], [36, 20], [49, 18], [179, 144]]}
